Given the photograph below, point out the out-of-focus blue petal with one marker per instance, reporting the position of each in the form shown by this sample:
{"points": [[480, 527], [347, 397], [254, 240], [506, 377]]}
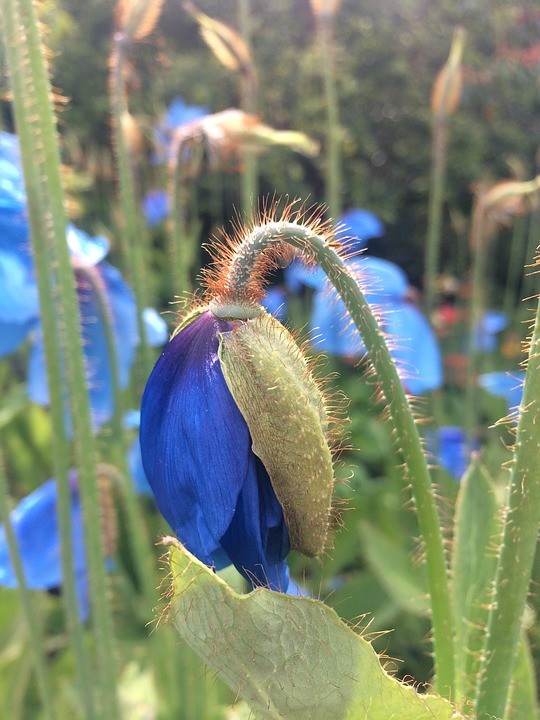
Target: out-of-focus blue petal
{"points": [[13, 334], [132, 419], [275, 302], [86, 251], [136, 469], [356, 227], [297, 590], [485, 335], [12, 192], [195, 443], [257, 539], [415, 348], [448, 446], [121, 303], [180, 113], [35, 523], [157, 332], [18, 290], [156, 207], [505, 385], [298, 275]]}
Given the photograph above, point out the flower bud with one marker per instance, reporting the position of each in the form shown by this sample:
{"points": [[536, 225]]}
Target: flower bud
{"points": [[285, 412]]}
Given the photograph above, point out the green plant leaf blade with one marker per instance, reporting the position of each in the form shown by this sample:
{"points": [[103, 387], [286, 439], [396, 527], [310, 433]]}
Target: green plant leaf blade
{"points": [[287, 657]]}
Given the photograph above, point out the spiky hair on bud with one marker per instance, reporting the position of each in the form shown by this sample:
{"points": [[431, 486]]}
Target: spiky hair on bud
{"points": [[243, 259]]}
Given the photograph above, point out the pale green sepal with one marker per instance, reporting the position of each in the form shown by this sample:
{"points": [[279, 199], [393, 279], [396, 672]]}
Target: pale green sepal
{"points": [[476, 533], [188, 319], [268, 377], [289, 658]]}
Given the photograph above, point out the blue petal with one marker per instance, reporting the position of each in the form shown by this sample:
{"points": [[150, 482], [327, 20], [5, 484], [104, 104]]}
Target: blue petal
{"points": [[13, 334], [506, 385], [485, 334], [257, 540], [275, 302], [18, 290], [356, 227], [180, 113], [157, 332], [298, 275], [155, 207], [35, 522], [86, 251], [415, 348], [136, 469], [448, 445], [196, 447], [121, 302]]}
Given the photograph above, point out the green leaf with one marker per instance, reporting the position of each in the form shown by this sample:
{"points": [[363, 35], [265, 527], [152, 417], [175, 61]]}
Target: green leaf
{"points": [[473, 567], [287, 657], [404, 581], [523, 704]]}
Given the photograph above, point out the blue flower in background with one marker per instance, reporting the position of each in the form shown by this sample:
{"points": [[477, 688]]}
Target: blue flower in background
{"points": [[19, 306], [35, 523], [275, 302], [505, 385], [196, 447], [178, 114], [155, 207], [356, 227], [132, 421], [485, 335], [413, 344], [449, 448]]}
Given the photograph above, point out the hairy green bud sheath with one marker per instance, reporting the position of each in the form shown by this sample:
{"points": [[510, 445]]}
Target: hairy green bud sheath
{"points": [[285, 412]]}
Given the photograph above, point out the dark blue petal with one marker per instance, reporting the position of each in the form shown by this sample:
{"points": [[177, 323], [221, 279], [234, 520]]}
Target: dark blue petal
{"points": [[257, 540], [449, 448], [196, 447], [155, 207]]}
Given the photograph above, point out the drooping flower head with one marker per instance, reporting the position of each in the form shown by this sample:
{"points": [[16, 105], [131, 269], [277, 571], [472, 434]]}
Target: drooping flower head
{"points": [[235, 433]]}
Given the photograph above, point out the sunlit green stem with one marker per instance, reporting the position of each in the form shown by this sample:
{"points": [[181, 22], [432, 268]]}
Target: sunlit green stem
{"points": [[477, 306], [439, 150], [246, 257], [133, 227], [333, 157], [530, 281], [40, 157], [248, 178], [518, 548], [33, 625]]}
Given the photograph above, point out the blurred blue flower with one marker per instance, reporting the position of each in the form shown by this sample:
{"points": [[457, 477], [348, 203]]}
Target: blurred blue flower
{"points": [[449, 449], [155, 207], [196, 447], [132, 421], [19, 306], [275, 302], [178, 114], [505, 385], [35, 523], [413, 344], [356, 227], [485, 335]]}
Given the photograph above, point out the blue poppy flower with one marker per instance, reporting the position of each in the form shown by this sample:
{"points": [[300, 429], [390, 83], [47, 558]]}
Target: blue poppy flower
{"points": [[356, 227], [178, 114], [35, 523], [275, 302], [449, 448], [506, 385], [413, 344], [196, 447]]}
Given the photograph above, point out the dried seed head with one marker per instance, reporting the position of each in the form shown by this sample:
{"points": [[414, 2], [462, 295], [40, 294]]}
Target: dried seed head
{"points": [[447, 87]]}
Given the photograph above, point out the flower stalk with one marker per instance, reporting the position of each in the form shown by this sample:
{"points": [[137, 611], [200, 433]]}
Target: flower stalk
{"points": [[40, 159], [247, 261], [518, 546]]}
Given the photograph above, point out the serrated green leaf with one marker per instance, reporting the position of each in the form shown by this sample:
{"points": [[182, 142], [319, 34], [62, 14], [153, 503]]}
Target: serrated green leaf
{"points": [[287, 657]]}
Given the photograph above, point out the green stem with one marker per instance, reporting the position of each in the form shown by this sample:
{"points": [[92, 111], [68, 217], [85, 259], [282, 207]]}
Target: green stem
{"points": [[33, 624], [249, 179], [518, 547], [133, 229], [439, 149], [515, 265], [247, 256], [333, 159], [41, 162]]}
